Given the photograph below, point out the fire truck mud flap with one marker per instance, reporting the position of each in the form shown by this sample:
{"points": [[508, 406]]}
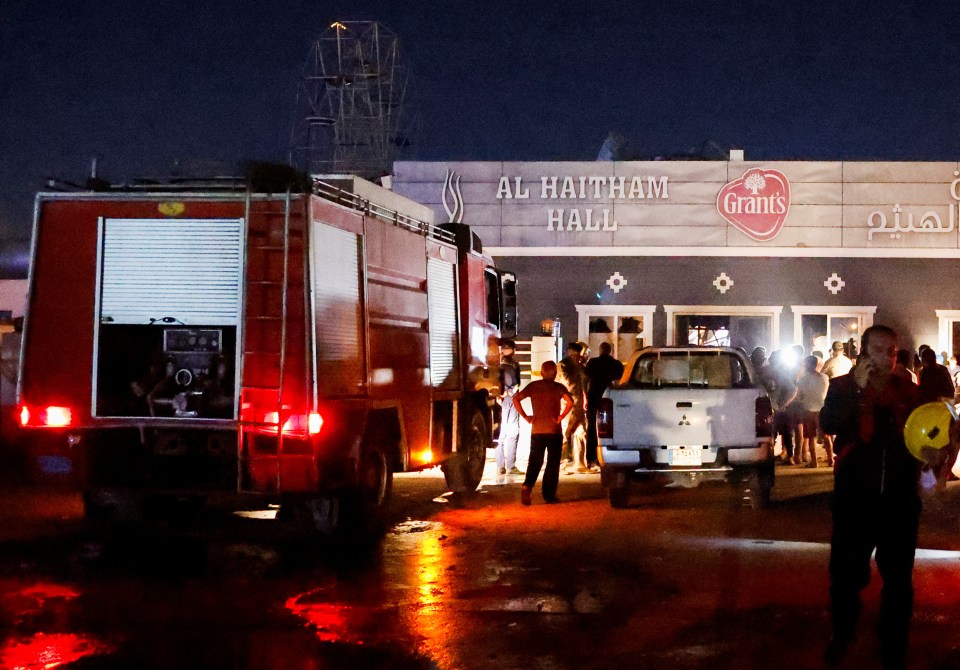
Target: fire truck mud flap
{"points": [[464, 469]]}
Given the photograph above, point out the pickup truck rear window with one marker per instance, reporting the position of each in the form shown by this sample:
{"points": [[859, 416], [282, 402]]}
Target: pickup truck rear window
{"points": [[683, 369]]}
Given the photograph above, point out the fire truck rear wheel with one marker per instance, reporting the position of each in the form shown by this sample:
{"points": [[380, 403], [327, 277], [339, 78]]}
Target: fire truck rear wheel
{"points": [[364, 507], [313, 515], [111, 506], [375, 477]]}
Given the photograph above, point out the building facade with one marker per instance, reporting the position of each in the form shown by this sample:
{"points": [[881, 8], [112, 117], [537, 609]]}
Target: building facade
{"points": [[714, 252]]}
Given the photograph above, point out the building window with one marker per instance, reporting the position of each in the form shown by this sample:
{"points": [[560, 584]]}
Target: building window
{"points": [[743, 326], [706, 331], [817, 327], [492, 284], [627, 328], [949, 332]]}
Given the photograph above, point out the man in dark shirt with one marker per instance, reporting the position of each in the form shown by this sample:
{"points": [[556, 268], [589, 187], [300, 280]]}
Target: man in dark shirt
{"points": [[602, 371], [935, 380], [876, 502]]}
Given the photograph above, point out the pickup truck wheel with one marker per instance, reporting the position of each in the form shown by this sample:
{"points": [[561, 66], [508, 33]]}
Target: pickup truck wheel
{"points": [[464, 469], [760, 483], [619, 496]]}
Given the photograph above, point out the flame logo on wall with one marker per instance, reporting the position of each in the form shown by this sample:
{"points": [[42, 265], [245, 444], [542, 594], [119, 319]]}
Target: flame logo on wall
{"points": [[451, 188]]}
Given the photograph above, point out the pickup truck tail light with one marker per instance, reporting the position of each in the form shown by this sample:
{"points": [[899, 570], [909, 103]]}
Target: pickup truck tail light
{"points": [[764, 417], [605, 418]]}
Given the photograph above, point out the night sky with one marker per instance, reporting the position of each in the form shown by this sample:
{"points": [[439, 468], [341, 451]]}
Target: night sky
{"points": [[149, 86]]}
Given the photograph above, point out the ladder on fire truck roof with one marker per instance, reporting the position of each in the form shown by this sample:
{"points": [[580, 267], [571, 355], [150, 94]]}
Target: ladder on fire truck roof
{"points": [[274, 286]]}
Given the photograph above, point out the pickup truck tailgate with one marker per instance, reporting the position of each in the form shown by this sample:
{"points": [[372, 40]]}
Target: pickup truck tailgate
{"points": [[675, 417]]}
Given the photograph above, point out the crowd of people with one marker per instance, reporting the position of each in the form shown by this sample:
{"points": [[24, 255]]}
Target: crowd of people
{"points": [[855, 405], [797, 385], [795, 382]]}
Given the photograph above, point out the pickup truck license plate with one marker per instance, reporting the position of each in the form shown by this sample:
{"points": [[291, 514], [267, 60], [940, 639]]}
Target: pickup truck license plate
{"points": [[685, 456]]}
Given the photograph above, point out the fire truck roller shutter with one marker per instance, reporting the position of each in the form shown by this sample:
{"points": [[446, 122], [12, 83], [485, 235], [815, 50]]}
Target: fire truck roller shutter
{"points": [[442, 315], [337, 310], [182, 269]]}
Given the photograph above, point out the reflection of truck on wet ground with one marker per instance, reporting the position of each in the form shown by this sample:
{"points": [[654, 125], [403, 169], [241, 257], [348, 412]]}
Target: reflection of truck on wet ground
{"points": [[687, 414], [302, 346]]}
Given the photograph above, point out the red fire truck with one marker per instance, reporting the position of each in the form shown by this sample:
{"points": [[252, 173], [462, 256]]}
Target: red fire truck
{"points": [[298, 343]]}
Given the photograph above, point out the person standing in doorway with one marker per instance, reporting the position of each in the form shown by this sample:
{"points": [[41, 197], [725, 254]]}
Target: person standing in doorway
{"points": [[876, 501], [506, 451], [602, 371], [551, 403]]}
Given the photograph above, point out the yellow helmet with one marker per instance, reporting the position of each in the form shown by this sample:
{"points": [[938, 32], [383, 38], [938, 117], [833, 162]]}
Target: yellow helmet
{"points": [[928, 426]]}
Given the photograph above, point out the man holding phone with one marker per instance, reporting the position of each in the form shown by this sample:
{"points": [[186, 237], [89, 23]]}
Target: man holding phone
{"points": [[876, 501]]}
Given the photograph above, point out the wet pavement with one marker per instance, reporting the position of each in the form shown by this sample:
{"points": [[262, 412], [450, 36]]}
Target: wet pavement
{"points": [[684, 578]]}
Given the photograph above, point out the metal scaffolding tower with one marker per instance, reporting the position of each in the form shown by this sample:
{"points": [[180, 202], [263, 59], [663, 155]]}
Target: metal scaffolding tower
{"points": [[350, 104]]}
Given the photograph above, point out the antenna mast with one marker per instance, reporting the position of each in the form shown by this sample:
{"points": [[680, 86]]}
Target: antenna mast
{"points": [[350, 104]]}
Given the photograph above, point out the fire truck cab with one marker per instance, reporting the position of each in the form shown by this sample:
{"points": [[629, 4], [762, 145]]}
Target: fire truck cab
{"points": [[301, 342]]}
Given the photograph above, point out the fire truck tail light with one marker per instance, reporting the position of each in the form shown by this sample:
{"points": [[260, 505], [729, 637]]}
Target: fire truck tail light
{"points": [[57, 416], [605, 418], [52, 416], [295, 424]]}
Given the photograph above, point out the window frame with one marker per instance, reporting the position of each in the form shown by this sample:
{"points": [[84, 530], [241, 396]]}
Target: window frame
{"points": [[945, 320], [773, 311], [587, 312], [862, 312]]}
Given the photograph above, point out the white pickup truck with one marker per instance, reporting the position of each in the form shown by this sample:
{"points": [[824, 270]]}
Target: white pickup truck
{"points": [[688, 414]]}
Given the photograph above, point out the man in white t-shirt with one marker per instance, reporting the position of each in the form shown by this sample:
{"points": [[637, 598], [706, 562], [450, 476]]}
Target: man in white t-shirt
{"points": [[838, 364]]}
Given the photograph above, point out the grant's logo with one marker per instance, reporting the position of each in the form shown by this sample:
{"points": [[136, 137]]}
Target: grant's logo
{"points": [[757, 203]]}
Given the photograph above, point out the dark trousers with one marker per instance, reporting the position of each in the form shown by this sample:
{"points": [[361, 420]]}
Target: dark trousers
{"points": [[592, 440], [861, 524], [783, 426], [551, 443]]}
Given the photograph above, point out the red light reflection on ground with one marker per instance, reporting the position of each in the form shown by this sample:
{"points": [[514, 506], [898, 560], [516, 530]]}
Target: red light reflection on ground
{"points": [[328, 618], [418, 563], [43, 603], [33, 599], [937, 584], [429, 558], [46, 651]]}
